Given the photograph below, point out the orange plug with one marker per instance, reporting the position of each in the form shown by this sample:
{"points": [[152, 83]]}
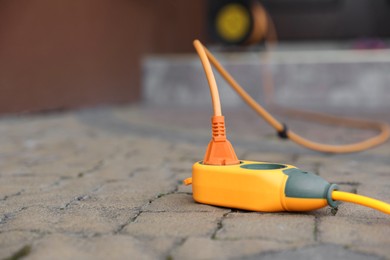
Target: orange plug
{"points": [[219, 151]]}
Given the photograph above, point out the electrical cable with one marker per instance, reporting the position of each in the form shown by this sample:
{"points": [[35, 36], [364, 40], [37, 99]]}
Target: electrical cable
{"points": [[382, 137], [210, 78], [271, 39], [206, 57], [361, 200]]}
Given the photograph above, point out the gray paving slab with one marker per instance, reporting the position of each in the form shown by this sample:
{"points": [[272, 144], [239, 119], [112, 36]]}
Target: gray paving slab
{"points": [[318, 252], [107, 183]]}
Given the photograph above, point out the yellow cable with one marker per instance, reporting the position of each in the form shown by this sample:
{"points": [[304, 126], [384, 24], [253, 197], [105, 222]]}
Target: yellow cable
{"points": [[361, 200], [382, 137], [210, 78]]}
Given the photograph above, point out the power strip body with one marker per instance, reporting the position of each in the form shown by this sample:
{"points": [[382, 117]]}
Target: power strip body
{"points": [[259, 186]]}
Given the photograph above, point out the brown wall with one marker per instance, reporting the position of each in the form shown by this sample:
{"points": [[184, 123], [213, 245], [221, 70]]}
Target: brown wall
{"points": [[73, 53]]}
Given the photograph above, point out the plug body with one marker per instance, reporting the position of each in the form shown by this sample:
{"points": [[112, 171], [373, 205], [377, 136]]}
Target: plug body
{"points": [[260, 186], [219, 151]]}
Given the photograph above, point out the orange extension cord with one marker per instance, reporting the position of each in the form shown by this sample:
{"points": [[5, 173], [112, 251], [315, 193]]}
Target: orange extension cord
{"points": [[206, 57]]}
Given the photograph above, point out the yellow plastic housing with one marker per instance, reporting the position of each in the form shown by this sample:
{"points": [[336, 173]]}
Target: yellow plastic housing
{"points": [[257, 189]]}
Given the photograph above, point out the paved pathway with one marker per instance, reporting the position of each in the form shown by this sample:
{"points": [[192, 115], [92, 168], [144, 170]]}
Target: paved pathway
{"points": [[106, 184]]}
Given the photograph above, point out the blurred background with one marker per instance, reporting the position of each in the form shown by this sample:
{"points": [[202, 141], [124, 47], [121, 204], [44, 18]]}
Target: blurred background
{"points": [[61, 54]]}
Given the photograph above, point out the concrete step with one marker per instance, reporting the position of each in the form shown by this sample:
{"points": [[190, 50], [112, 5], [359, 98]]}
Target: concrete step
{"points": [[329, 79]]}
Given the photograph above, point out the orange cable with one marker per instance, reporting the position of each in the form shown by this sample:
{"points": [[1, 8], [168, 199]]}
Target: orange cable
{"points": [[210, 78], [242, 93], [271, 40], [384, 128], [219, 151]]}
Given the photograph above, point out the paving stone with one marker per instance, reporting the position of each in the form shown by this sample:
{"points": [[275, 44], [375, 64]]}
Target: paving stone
{"points": [[93, 220], [347, 209], [283, 228], [309, 163], [206, 248], [56, 194], [174, 224], [347, 171], [181, 202], [107, 183], [136, 191], [24, 183], [104, 247], [379, 190], [77, 217], [318, 252], [364, 234], [11, 242], [10, 189]]}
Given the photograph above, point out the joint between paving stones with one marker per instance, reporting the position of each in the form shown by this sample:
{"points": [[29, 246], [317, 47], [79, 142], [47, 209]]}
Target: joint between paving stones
{"points": [[81, 197], [141, 209], [281, 241], [7, 216], [316, 230], [38, 232], [12, 195], [131, 220], [94, 168], [177, 244], [219, 225], [165, 194]]}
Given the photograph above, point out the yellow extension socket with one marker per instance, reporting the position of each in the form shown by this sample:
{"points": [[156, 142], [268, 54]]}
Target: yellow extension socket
{"points": [[260, 186]]}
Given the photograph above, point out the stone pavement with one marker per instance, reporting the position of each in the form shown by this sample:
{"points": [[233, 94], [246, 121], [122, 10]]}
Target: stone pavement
{"points": [[106, 183]]}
